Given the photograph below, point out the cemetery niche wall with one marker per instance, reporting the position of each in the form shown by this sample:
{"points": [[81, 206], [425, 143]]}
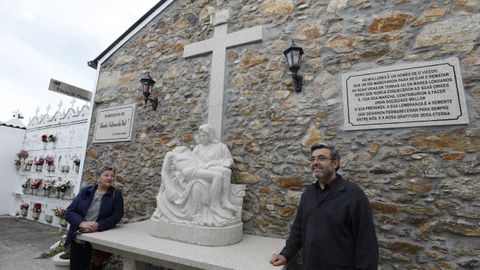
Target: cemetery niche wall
{"points": [[422, 181], [49, 165]]}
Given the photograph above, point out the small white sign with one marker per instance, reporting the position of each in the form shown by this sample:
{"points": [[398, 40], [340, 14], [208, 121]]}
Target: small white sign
{"points": [[69, 90], [114, 124], [412, 95]]}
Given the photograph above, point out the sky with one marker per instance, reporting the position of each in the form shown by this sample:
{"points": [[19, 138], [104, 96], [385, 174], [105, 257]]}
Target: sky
{"points": [[40, 40]]}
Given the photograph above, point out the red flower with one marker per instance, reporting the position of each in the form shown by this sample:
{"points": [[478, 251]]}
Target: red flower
{"points": [[37, 207], [44, 138]]}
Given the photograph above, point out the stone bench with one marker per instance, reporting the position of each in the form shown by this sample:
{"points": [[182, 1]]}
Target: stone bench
{"points": [[137, 247]]}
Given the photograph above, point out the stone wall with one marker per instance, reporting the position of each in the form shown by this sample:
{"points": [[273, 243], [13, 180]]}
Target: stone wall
{"points": [[423, 183]]}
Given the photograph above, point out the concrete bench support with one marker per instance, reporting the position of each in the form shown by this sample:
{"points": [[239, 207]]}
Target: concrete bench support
{"points": [[137, 247]]}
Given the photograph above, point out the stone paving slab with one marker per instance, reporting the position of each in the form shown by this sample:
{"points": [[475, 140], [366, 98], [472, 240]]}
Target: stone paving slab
{"points": [[22, 240]]}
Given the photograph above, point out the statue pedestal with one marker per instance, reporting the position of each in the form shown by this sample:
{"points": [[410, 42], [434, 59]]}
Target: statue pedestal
{"points": [[199, 235]]}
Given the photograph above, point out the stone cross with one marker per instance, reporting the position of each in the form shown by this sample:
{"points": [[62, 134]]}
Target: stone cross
{"points": [[218, 46]]}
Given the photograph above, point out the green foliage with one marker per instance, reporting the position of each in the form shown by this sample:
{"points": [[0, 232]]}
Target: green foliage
{"points": [[52, 252]]}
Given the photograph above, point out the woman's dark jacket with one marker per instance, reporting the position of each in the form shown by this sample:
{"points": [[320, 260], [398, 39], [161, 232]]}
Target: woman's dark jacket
{"points": [[111, 210], [336, 232]]}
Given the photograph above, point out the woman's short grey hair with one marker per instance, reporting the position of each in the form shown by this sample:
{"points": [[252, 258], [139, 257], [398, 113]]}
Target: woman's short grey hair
{"points": [[104, 169]]}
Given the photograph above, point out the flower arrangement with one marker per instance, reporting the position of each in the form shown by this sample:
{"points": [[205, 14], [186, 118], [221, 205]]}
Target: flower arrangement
{"points": [[59, 213], [49, 160], [24, 206], [48, 185], [52, 138], [26, 184], [62, 185], [28, 165], [22, 154], [36, 183], [76, 160], [39, 162], [37, 207], [18, 162], [44, 138]]}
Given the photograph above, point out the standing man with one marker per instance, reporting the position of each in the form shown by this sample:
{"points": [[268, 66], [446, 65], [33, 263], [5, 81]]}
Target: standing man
{"points": [[334, 225]]}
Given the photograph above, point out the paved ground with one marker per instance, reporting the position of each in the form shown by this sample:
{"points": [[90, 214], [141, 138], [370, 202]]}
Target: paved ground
{"points": [[22, 240]]}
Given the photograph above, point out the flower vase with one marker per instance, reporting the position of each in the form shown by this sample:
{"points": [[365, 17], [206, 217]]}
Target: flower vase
{"points": [[24, 190], [77, 168], [51, 168], [17, 167], [28, 167], [60, 194], [39, 168], [59, 263], [35, 215], [48, 218], [44, 145], [46, 192], [23, 212]]}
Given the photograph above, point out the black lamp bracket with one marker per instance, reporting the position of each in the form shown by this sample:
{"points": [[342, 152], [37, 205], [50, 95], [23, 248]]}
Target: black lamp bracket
{"points": [[153, 101], [298, 81]]}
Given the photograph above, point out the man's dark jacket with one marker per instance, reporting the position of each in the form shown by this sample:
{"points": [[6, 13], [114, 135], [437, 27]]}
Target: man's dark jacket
{"points": [[111, 210], [336, 232]]}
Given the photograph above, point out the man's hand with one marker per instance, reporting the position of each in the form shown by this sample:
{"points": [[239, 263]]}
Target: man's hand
{"points": [[278, 260], [92, 226]]}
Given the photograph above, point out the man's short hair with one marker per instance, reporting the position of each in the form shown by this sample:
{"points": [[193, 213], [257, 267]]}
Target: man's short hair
{"points": [[333, 152]]}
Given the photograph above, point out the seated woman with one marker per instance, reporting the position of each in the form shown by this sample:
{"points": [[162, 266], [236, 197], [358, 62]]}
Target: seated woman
{"points": [[216, 156], [97, 207]]}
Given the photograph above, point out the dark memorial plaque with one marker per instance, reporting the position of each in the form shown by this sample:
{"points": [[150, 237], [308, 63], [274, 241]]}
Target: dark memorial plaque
{"points": [[420, 94]]}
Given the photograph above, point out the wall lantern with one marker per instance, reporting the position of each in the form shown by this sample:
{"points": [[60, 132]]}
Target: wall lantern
{"points": [[147, 83], [294, 56]]}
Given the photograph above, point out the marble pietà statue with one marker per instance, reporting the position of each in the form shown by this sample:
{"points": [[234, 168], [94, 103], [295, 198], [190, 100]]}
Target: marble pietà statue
{"points": [[196, 191]]}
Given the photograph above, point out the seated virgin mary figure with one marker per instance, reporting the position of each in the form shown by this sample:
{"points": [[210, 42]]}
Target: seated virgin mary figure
{"points": [[191, 191]]}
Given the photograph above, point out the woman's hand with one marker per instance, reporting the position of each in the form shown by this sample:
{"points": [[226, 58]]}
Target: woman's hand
{"points": [[91, 226]]}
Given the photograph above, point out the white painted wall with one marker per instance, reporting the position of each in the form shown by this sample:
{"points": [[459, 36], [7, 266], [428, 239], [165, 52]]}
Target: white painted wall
{"points": [[71, 130], [11, 140]]}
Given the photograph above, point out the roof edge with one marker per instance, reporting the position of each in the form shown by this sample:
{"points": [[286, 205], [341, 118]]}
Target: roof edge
{"points": [[94, 63]]}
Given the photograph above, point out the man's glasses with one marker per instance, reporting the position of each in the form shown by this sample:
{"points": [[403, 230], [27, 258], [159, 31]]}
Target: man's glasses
{"points": [[320, 158]]}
